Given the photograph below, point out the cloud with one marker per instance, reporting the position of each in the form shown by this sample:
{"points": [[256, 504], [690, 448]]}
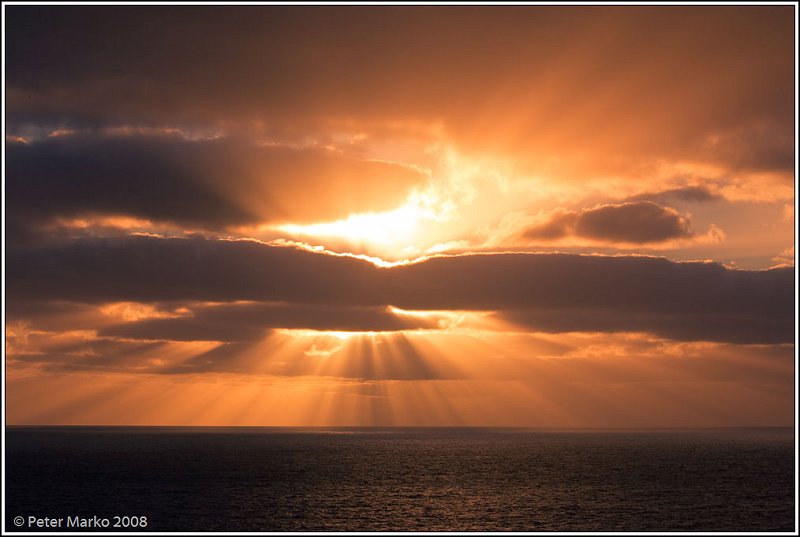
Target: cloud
{"points": [[757, 146], [207, 184], [716, 326], [146, 269], [697, 194], [248, 322], [693, 301], [99, 354], [298, 71], [637, 222]]}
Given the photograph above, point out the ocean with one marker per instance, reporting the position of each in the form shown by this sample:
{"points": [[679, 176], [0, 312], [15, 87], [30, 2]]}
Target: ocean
{"points": [[438, 479]]}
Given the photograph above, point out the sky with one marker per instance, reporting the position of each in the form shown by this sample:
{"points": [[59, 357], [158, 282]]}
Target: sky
{"points": [[534, 216]]}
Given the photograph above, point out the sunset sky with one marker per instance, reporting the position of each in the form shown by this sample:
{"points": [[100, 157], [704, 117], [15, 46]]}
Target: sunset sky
{"points": [[517, 216]]}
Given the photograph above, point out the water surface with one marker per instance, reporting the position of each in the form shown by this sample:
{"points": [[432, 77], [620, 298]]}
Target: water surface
{"points": [[274, 479]]}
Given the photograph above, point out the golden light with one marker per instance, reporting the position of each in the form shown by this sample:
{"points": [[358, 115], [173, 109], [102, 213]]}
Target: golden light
{"points": [[467, 195], [398, 230], [341, 335]]}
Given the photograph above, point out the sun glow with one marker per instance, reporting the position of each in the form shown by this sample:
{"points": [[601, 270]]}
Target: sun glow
{"points": [[454, 211]]}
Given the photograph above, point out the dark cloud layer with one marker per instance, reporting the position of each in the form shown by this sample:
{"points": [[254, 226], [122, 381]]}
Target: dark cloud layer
{"points": [[592, 76], [555, 292], [687, 326], [631, 222], [209, 184], [247, 322], [145, 269]]}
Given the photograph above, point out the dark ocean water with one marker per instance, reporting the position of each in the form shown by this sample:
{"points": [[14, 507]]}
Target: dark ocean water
{"points": [[265, 479]]}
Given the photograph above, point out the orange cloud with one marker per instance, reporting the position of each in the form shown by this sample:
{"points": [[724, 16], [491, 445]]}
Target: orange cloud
{"points": [[631, 222]]}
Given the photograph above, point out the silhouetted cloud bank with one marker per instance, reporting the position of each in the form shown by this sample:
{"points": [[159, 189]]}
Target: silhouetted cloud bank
{"points": [[548, 292]]}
